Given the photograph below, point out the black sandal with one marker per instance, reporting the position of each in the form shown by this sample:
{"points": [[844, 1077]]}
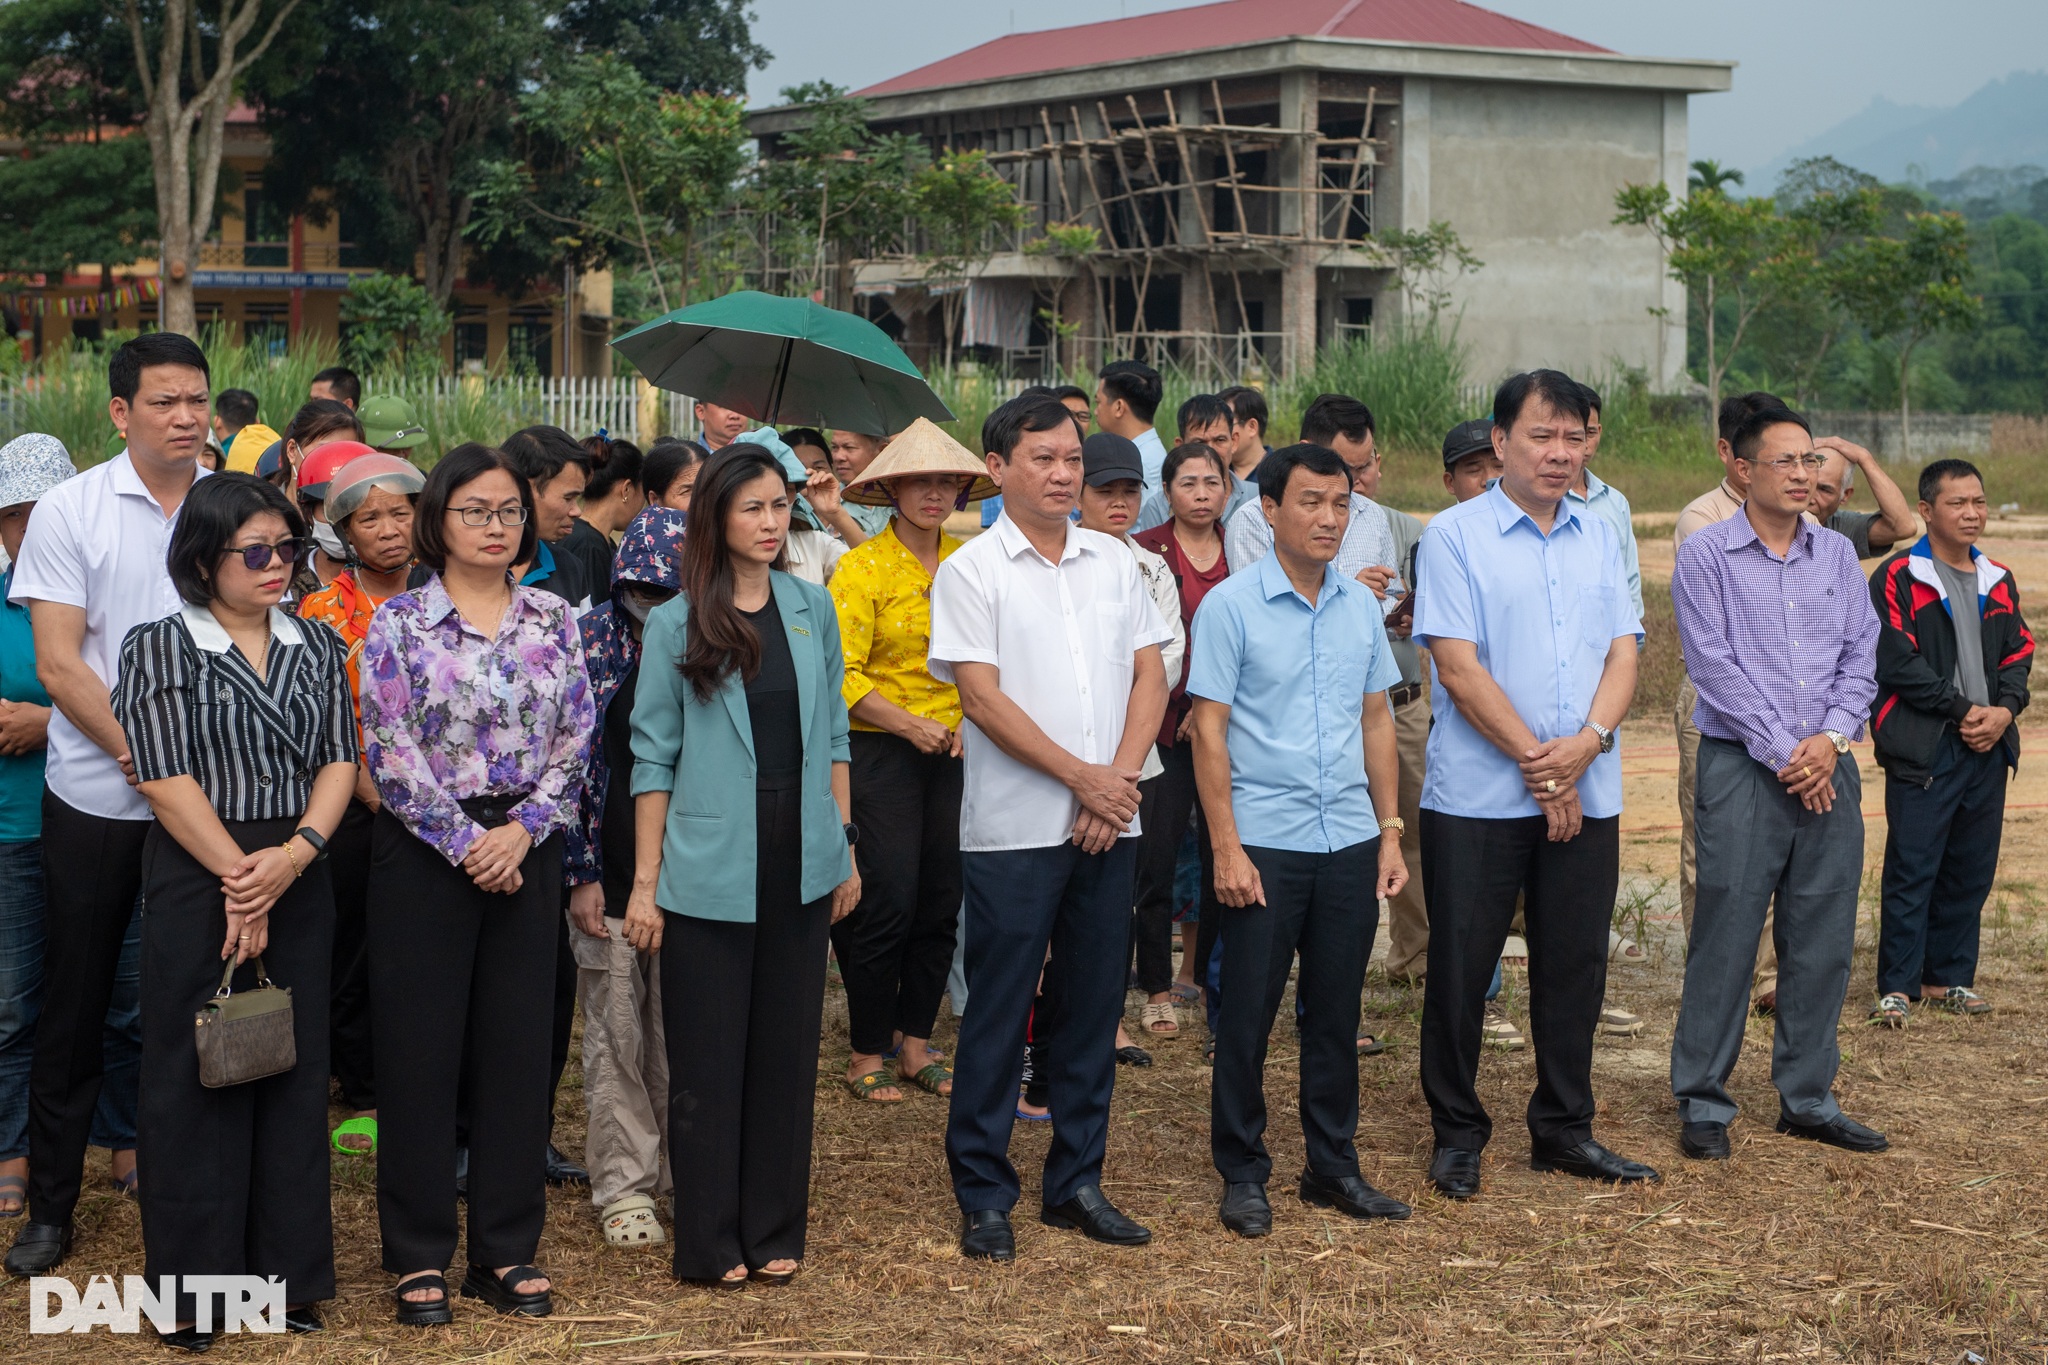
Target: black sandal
{"points": [[423, 1312], [496, 1290]]}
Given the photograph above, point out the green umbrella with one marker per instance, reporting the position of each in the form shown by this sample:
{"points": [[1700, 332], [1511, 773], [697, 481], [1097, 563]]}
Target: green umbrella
{"points": [[784, 360]]}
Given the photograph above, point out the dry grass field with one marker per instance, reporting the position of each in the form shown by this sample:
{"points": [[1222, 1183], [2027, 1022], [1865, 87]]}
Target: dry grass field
{"points": [[1932, 1252]]}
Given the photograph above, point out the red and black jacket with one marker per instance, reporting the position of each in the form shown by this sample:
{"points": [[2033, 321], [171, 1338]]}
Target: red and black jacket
{"points": [[1917, 697]]}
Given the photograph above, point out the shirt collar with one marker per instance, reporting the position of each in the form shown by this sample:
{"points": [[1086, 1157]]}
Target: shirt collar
{"points": [[543, 564], [1506, 511], [1742, 533], [128, 483], [1274, 582], [1015, 543], [1594, 488], [212, 637]]}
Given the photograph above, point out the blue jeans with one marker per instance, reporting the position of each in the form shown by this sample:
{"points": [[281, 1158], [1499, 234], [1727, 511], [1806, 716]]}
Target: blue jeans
{"points": [[21, 1000]]}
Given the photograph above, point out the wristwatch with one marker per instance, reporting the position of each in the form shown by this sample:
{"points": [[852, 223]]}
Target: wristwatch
{"points": [[319, 844], [852, 834], [1606, 735], [1395, 823], [1838, 739]]}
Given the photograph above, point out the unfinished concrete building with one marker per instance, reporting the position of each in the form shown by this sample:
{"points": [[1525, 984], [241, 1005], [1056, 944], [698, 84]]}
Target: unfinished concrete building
{"points": [[1237, 162]]}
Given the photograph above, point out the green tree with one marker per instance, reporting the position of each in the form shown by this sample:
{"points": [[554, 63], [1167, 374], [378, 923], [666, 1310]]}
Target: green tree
{"points": [[679, 45], [1740, 250], [648, 170], [70, 204], [1708, 174], [1909, 288], [836, 187], [961, 204], [1427, 262], [391, 322], [68, 67]]}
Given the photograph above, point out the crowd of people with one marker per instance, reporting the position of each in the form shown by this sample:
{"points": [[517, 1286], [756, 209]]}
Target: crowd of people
{"points": [[666, 736]]}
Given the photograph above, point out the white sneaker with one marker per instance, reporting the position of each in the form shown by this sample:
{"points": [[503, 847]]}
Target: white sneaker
{"points": [[1499, 1031]]}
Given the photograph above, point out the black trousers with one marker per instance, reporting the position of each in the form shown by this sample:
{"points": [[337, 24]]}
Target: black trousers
{"points": [[1940, 859], [459, 993], [92, 871], [1322, 905], [233, 1181], [895, 949], [1018, 902], [1166, 804], [349, 1044], [1472, 870], [741, 1006]]}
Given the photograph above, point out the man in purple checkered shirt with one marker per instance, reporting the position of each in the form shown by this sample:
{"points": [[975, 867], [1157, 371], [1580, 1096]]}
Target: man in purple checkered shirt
{"points": [[1781, 643]]}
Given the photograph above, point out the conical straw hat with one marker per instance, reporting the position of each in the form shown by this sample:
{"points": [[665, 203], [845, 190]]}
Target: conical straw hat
{"points": [[922, 448]]}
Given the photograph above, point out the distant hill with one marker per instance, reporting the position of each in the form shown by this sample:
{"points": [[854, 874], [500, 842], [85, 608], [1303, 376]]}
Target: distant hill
{"points": [[2003, 124]]}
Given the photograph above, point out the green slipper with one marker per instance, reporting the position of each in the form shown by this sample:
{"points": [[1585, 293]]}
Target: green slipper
{"points": [[365, 1126], [864, 1087], [929, 1077]]}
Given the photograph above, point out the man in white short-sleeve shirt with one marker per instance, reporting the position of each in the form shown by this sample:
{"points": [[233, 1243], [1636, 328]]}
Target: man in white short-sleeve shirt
{"points": [[1053, 641], [92, 569]]}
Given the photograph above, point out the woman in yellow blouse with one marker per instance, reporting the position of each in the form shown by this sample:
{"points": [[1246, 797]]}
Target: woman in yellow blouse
{"points": [[895, 948]]}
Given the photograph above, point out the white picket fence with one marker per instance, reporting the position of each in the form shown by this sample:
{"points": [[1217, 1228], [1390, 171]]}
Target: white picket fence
{"points": [[579, 405]]}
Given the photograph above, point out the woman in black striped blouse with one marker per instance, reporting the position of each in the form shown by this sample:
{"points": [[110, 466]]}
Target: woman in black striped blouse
{"points": [[244, 742]]}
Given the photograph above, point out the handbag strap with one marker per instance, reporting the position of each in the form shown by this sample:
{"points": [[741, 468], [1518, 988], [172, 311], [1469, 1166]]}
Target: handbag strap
{"points": [[226, 990]]}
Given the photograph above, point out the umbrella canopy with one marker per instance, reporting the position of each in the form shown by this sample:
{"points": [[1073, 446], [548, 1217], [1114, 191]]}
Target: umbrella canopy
{"points": [[784, 360]]}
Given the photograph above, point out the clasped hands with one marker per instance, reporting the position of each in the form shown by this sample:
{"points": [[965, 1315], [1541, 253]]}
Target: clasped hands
{"points": [[1551, 772], [1109, 802], [493, 861]]}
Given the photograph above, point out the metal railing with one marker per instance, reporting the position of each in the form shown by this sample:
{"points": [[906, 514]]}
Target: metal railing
{"points": [[277, 256]]}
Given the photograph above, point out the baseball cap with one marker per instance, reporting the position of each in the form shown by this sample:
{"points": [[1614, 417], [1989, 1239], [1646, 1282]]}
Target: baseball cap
{"points": [[317, 470], [389, 423], [1107, 457], [1468, 438], [269, 462], [31, 466], [246, 446]]}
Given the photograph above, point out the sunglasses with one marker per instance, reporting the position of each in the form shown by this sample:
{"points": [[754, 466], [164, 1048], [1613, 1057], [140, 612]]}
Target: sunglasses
{"points": [[256, 558]]}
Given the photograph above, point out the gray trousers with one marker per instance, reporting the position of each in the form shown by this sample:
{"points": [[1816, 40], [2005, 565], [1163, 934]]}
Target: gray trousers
{"points": [[1755, 842]]}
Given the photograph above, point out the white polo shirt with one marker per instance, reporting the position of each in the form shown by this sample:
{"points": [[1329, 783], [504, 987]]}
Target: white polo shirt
{"points": [[98, 542], [1064, 638]]}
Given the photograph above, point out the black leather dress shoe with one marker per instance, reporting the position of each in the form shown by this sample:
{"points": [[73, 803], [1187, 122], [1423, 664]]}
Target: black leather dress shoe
{"points": [[38, 1247], [1244, 1209], [985, 1236], [1590, 1161], [1090, 1212], [562, 1171], [1839, 1131], [188, 1339], [1704, 1141], [1455, 1172], [303, 1321], [1349, 1194]]}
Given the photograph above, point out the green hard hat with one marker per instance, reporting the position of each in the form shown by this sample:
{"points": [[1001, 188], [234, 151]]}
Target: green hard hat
{"points": [[389, 423]]}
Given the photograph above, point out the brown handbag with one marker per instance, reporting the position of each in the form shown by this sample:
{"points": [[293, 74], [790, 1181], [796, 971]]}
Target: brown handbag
{"points": [[245, 1036]]}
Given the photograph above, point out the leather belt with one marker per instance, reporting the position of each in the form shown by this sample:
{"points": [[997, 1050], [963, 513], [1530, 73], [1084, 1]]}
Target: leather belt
{"points": [[1405, 693]]}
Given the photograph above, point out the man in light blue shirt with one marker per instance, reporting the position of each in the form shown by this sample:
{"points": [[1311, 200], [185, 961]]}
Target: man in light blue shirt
{"points": [[1523, 604], [1588, 493], [1127, 395], [1294, 750]]}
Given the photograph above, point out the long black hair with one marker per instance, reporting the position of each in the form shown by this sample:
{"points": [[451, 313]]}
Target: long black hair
{"points": [[721, 640]]}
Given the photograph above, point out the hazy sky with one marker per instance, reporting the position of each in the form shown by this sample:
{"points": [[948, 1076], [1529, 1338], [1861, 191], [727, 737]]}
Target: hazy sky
{"points": [[1805, 64]]}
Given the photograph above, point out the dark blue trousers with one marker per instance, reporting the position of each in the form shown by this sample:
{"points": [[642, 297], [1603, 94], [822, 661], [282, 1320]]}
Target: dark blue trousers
{"points": [[1940, 857], [1018, 902]]}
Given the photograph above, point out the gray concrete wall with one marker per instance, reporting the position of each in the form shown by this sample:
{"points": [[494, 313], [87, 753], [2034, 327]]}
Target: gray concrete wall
{"points": [[1527, 175], [1935, 434]]}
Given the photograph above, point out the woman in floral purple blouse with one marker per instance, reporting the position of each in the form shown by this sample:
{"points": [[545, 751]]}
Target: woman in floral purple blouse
{"points": [[476, 721]]}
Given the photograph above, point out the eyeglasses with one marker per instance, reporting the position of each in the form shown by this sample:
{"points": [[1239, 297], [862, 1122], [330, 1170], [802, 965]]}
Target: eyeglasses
{"points": [[481, 516], [256, 558], [1785, 464]]}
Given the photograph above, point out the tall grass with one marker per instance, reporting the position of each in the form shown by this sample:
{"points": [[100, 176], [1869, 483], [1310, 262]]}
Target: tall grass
{"points": [[1413, 380]]}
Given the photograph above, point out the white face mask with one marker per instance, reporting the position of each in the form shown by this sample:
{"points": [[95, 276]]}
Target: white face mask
{"points": [[636, 606], [329, 540]]}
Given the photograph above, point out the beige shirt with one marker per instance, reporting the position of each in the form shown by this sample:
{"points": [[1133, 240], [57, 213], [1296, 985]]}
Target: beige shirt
{"points": [[1717, 504]]}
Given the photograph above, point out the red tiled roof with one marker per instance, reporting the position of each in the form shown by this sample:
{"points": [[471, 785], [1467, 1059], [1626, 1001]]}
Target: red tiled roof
{"points": [[1232, 23]]}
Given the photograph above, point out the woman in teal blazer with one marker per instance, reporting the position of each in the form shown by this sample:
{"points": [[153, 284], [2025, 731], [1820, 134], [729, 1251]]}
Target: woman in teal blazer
{"points": [[742, 863]]}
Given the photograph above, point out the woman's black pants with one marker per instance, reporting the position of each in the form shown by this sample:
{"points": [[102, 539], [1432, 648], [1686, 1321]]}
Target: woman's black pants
{"points": [[350, 1048], [741, 1005], [896, 947], [233, 1181], [450, 965]]}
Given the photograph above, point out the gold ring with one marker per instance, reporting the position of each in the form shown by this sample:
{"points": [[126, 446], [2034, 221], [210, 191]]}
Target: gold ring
{"points": [[1551, 785], [1806, 769]]}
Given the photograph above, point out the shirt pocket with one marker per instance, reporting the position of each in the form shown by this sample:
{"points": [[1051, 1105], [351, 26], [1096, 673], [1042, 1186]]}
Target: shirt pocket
{"points": [[1596, 618], [1114, 643]]}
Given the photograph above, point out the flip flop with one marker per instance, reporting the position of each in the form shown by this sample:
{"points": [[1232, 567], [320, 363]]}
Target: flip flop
{"points": [[864, 1088], [125, 1184], [364, 1126], [929, 1078], [14, 1185]]}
